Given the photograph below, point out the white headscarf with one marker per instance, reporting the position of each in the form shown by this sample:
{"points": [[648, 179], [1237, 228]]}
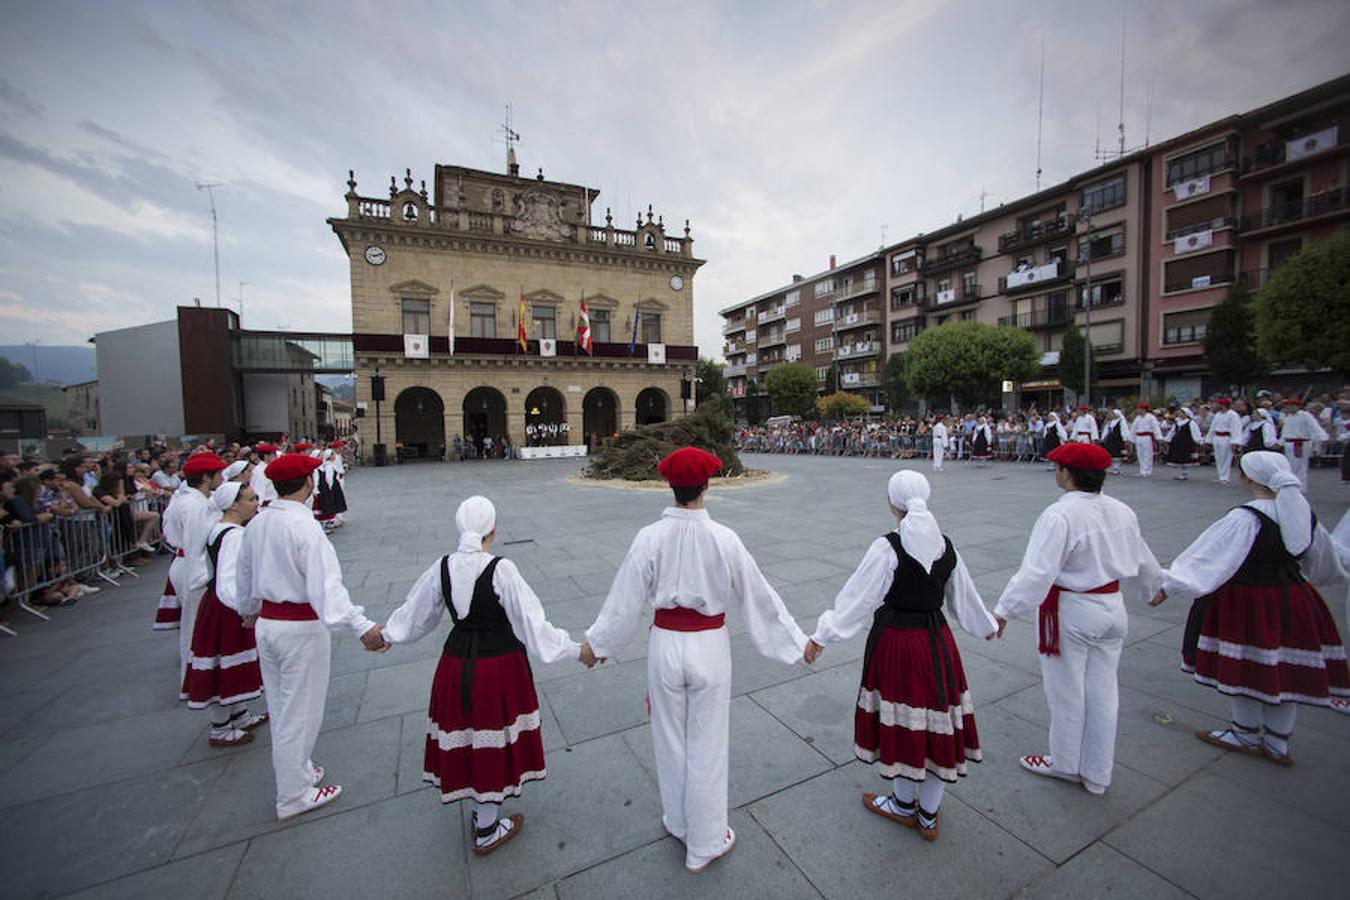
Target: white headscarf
{"points": [[1291, 507], [233, 469], [475, 518], [223, 497], [919, 532]]}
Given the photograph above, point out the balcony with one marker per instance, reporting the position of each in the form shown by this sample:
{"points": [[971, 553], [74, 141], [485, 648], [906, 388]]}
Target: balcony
{"points": [[1282, 214], [771, 315], [967, 256], [733, 326], [751, 358], [736, 371], [772, 339], [1036, 277], [860, 350], [953, 297], [750, 336], [859, 380], [856, 289], [1053, 317], [1213, 224], [732, 347], [1034, 233], [1197, 282], [1278, 152], [857, 320], [1254, 279]]}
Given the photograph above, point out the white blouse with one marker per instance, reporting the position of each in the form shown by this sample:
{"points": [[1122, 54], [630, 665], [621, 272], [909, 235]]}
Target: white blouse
{"points": [[866, 588]]}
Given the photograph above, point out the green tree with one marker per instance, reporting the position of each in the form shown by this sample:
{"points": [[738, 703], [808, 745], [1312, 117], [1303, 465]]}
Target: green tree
{"points": [[1230, 342], [831, 384], [967, 360], [842, 404], [895, 381], [1071, 360], [1303, 312], [13, 374], [792, 389], [710, 383]]}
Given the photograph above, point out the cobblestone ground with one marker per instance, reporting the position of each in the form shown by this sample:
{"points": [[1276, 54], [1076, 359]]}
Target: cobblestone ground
{"points": [[108, 787]]}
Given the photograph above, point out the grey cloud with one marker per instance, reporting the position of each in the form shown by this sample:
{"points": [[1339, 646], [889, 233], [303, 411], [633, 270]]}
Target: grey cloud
{"points": [[15, 96]]}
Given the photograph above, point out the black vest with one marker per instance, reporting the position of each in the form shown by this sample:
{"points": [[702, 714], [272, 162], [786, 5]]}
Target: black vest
{"points": [[485, 631], [915, 602], [213, 554]]}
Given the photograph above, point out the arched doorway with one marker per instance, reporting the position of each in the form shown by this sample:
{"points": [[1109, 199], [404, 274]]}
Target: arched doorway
{"points": [[484, 416], [546, 417], [419, 424], [599, 415], [651, 406]]}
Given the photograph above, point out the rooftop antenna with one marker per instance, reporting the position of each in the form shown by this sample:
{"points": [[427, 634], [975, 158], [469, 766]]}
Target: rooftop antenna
{"points": [[242, 282], [883, 235], [1121, 124], [983, 195], [1040, 116], [210, 188], [509, 136], [1148, 111]]}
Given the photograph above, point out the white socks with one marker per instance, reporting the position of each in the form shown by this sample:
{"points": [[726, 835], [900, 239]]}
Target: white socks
{"points": [[929, 795], [221, 715], [484, 814], [1249, 716]]}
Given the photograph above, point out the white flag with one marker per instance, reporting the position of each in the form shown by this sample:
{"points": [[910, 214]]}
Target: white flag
{"points": [[656, 354], [415, 346], [450, 322], [548, 347]]}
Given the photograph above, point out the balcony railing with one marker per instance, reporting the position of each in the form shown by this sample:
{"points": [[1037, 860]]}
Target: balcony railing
{"points": [[859, 380], [733, 327], [1035, 232], [953, 297], [1051, 317], [967, 256], [860, 350], [1277, 152], [857, 320], [731, 347], [771, 315], [1213, 224], [1297, 210], [1197, 282], [1036, 277], [856, 289], [736, 371], [772, 339]]}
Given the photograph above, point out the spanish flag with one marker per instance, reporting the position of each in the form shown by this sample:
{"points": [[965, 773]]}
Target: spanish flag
{"points": [[521, 334]]}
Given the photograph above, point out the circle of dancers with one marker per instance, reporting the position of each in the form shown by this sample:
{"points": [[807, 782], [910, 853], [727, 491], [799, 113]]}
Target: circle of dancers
{"points": [[253, 550]]}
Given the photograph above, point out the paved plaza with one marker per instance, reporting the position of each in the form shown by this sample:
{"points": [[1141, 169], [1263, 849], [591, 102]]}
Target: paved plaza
{"points": [[108, 787]]}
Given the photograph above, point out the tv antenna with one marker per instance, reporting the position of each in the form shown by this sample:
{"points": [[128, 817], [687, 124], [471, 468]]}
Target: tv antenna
{"points": [[507, 134], [883, 235], [210, 188], [1040, 116]]}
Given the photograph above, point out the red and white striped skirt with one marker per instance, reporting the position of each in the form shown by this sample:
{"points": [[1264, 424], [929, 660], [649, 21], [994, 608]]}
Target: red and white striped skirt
{"points": [[224, 667], [169, 613], [901, 722], [490, 750], [1250, 643]]}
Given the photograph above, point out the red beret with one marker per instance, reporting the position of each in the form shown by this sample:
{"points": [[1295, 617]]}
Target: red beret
{"points": [[336, 445], [289, 466], [1142, 406], [1291, 401], [689, 467], [300, 448], [1223, 401], [265, 448], [198, 463], [1078, 455], [1084, 409]]}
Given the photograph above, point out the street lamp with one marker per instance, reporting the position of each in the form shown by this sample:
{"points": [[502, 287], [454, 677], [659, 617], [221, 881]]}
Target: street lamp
{"points": [[377, 394]]}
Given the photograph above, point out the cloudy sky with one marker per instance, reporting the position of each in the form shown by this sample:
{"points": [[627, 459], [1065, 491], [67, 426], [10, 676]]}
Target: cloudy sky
{"points": [[785, 131]]}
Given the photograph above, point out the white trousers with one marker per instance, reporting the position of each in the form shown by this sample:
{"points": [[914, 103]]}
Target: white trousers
{"points": [[1080, 684], [294, 657], [188, 601], [689, 683], [1299, 464], [937, 458], [1143, 451], [1223, 457]]}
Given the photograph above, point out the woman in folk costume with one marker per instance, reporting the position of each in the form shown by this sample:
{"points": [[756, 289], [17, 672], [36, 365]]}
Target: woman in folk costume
{"points": [[339, 480], [692, 569], [1183, 444], [169, 612], [325, 502], [1258, 630], [224, 674], [1115, 438], [914, 715], [483, 738], [982, 442], [188, 530], [1055, 435], [1260, 432]]}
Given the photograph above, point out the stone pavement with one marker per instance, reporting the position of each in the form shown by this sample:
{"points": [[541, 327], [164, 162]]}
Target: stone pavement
{"points": [[108, 788]]}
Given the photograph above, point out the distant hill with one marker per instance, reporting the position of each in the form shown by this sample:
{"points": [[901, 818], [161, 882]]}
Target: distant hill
{"points": [[55, 365]]}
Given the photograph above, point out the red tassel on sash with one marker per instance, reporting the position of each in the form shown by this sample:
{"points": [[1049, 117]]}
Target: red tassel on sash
{"points": [[1048, 620]]}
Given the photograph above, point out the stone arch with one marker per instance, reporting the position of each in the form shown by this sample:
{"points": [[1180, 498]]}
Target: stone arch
{"points": [[599, 415], [546, 410], [653, 405], [484, 415], [419, 423]]}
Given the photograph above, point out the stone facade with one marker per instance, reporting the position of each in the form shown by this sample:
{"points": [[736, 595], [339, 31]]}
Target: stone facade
{"points": [[498, 241]]}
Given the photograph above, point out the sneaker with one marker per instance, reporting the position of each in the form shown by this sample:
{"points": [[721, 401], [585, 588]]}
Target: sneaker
{"points": [[1045, 765], [1094, 788], [228, 736], [87, 589], [696, 864], [321, 796], [245, 720]]}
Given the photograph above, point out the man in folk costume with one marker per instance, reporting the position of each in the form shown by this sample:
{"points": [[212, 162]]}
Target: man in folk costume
{"points": [[982, 443], [1183, 444], [224, 674], [1084, 557], [1147, 438], [169, 612], [940, 438], [914, 713], [190, 529], [483, 738], [691, 569], [1299, 430], [1085, 426], [1055, 436], [1115, 439], [1258, 630], [261, 484], [290, 582], [1225, 430]]}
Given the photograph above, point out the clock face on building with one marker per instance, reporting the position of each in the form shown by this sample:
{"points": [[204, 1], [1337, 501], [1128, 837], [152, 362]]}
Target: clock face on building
{"points": [[676, 283], [375, 255]]}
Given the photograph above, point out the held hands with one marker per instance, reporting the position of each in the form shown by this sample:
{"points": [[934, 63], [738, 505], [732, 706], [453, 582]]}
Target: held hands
{"points": [[811, 652], [248, 621], [1002, 624], [373, 640], [1158, 597], [588, 657]]}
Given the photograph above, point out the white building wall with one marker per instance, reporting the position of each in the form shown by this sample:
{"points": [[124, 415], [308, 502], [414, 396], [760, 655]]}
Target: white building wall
{"points": [[140, 380], [266, 403]]}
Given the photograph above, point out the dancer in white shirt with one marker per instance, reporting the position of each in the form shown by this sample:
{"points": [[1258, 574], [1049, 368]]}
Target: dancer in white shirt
{"points": [[290, 582], [1183, 443], [691, 569], [1055, 436], [1147, 438], [483, 736], [939, 443], [1085, 426], [261, 484], [1115, 438], [1225, 428], [1084, 557], [188, 529], [1299, 431]]}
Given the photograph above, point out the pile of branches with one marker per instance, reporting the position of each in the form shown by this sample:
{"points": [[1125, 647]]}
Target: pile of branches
{"points": [[634, 454]]}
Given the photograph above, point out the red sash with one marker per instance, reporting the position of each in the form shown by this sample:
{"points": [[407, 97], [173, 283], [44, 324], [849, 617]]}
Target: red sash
{"points": [[1222, 434], [180, 553], [288, 612], [681, 618], [1049, 615], [1298, 445]]}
